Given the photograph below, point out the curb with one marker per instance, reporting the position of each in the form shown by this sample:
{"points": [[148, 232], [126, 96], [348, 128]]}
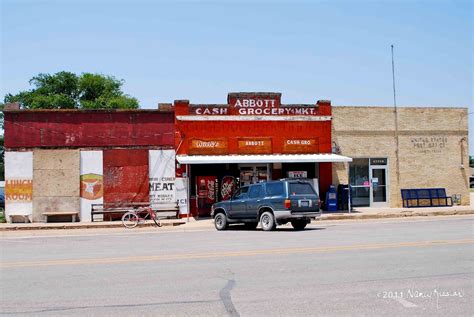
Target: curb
{"points": [[396, 215], [324, 217], [68, 226]]}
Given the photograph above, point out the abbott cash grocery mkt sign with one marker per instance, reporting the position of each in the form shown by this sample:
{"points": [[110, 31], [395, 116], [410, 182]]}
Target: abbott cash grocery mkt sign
{"points": [[254, 105]]}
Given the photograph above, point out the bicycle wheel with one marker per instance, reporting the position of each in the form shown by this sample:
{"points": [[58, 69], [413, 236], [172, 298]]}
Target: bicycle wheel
{"points": [[130, 220]]}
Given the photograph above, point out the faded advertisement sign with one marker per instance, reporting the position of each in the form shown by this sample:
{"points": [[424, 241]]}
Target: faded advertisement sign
{"points": [[18, 183], [182, 195], [162, 177], [92, 185], [300, 146], [208, 146], [228, 186], [19, 190], [254, 145]]}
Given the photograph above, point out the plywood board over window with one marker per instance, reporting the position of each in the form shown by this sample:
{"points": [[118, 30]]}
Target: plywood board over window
{"points": [[56, 184]]}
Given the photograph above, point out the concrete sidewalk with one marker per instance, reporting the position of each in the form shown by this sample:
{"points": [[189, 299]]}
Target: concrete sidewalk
{"points": [[356, 214], [374, 213], [82, 225]]}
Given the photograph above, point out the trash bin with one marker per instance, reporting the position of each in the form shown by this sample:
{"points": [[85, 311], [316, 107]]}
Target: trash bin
{"points": [[343, 196]]}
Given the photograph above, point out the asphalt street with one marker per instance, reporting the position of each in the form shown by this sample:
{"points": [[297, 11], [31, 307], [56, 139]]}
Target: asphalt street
{"points": [[391, 267]]}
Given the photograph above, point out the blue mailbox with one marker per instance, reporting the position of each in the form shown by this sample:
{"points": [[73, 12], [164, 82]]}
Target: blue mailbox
{"points": [[331, 199]]}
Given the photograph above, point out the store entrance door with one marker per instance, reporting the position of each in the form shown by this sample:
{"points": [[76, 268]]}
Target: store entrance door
{"points": [[378, 186], [251, 174]]}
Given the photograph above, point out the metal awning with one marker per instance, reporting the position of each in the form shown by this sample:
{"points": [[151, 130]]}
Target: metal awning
{"points": [[263, 158]]}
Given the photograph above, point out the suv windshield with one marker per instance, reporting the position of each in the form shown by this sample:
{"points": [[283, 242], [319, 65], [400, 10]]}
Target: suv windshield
{"points": [[301, 189]]}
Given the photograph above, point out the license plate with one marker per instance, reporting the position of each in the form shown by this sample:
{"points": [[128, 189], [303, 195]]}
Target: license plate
{"points": [[304, 203]]}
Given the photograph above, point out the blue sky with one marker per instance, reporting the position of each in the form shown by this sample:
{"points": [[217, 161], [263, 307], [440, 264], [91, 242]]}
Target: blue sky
{"points": [[201, 50]]}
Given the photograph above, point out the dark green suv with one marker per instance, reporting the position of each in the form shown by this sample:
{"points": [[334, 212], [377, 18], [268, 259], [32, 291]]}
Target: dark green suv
{"points": [[272, 203]]}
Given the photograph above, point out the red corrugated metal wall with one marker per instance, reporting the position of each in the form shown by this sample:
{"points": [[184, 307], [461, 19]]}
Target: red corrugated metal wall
{"points": [[126, 176], [53, 128]]}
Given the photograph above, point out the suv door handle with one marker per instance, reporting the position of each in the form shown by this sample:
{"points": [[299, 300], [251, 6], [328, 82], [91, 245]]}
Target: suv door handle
{"points": [[259, 200]]}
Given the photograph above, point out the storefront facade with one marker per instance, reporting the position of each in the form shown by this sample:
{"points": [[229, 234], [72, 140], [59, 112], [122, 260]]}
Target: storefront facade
{"points": [[252, 138], [410, 148], [197, 154], [67, 160]]}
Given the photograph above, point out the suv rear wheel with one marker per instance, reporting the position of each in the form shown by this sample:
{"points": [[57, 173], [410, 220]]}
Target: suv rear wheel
{"points": [[299, 224], [267, 221], [220, 221]]}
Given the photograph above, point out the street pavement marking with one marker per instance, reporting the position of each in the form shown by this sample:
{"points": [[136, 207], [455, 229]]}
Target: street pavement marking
{"points": [[244, 253]]}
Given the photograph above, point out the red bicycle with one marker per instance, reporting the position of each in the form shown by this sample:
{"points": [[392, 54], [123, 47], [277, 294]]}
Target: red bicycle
{"points": [[133, 218]]}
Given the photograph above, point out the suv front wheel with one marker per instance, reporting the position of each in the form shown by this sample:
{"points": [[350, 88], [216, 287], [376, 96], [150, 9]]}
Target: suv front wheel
{"points": [[220, 221], [267, 221]]}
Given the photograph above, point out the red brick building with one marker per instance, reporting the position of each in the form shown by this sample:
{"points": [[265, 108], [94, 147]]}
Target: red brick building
{"points": [[251, 138]]}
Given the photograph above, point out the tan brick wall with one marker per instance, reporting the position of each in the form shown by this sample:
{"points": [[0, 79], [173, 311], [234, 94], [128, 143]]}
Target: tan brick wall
{"points": [[432, 145]]}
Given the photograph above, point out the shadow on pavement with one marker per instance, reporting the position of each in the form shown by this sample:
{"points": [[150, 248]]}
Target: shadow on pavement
{"points": [[240, 227]]}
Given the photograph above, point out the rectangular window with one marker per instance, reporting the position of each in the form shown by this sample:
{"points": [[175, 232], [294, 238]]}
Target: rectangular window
{"points": [[275, 189], [301, 189], [255, 191]]}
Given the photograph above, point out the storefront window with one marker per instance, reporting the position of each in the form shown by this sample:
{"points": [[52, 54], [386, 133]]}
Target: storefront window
{"points": [[359, 181]]}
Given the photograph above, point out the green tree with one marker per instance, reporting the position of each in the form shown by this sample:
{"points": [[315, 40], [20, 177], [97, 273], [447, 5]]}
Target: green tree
{"points": [[66, 90]]}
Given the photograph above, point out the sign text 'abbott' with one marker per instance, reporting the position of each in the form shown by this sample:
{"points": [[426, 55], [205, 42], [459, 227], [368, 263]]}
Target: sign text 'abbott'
{"points": [[255, 146], [255, 103]]}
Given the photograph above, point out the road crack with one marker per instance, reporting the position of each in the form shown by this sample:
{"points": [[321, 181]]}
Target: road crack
{"points": [[226, 298]]}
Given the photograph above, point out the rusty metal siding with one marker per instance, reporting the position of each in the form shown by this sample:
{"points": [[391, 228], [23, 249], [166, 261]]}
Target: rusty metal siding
{"points": [[30, 129], [126, 176]]}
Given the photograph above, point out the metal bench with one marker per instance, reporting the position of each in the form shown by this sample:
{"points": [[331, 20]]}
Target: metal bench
{"points": [[121, 208], [73, 214], [425, 197]]}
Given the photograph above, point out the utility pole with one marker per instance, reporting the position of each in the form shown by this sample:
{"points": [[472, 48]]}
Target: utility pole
{"points": [[396, 121]]}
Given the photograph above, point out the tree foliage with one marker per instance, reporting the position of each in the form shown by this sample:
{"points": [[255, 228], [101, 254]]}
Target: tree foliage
{"points": [[66, 90]]}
